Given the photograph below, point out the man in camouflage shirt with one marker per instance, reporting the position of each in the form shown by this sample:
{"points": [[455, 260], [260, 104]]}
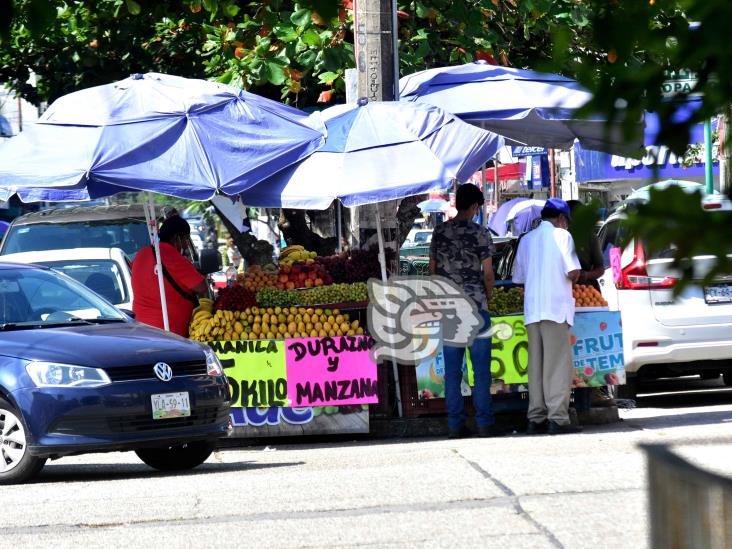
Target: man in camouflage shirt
{"points": [[461, 251]]}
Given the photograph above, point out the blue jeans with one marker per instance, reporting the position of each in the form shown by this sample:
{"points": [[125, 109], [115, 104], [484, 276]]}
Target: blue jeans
{"points": [[480, 354]]}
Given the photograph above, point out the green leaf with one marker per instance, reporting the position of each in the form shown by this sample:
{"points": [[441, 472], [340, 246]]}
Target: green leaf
{"points": [[211, 6], [312, 38], [307, 59], [423, 49], [286, 34], [331, 59], [231, 10], [133, 7], [41, 15], [276, 74], [421, 10], [225, 78], [327, 77], [301, 17]]}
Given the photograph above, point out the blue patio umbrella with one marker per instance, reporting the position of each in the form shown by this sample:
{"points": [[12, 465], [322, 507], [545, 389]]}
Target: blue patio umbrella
{"points": [[525, 219], [498, 220], [153, 132], [379, 151], [527, 107], [433, 205]]}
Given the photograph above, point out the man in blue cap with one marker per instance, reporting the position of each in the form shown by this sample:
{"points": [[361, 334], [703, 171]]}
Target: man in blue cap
{"points": [[546, 263]]}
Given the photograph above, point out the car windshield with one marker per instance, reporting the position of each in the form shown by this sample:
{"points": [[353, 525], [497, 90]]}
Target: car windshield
{"points": [[41, 298], [129, 235], [101, 276], [422, 237]]}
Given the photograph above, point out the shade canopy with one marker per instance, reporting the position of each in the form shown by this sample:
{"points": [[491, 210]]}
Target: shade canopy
{"points": [[379, 151], [525, 219], [527, 107], [505, 216], [433, 205], [154, 132]]}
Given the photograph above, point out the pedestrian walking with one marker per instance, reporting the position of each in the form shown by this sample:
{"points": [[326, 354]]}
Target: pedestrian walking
{"points": [[461, 250], [547, 265]]}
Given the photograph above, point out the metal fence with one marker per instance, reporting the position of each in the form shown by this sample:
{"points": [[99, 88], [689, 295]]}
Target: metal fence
{"points": [[689, 507]]}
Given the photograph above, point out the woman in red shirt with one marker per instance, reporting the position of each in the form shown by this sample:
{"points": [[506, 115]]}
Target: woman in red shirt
{"points": [[182, 282]]}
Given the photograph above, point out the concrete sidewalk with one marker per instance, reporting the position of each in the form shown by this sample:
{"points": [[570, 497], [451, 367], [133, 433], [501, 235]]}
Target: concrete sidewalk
{"points": [[585, 490]]}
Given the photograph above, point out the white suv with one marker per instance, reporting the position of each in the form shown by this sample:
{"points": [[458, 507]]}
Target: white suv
{"points": [[665, 336]]}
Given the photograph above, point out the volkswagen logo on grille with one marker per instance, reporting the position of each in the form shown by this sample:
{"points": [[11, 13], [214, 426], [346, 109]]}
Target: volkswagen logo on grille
{"points": [[163, 371]]}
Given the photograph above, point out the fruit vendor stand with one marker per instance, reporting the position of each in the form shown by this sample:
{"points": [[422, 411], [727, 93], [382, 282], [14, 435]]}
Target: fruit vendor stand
{"points": [[596, 339], [292, 341]]}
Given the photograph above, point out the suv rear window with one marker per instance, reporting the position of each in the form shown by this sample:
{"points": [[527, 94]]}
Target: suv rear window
{"points": [[128, 235]]}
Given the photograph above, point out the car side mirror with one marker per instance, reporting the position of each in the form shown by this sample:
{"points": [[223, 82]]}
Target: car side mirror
{"points": [[209, 261]]}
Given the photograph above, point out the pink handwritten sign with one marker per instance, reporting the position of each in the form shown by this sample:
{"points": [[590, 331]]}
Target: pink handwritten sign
{"points": [[615, 254], [330, 371]]}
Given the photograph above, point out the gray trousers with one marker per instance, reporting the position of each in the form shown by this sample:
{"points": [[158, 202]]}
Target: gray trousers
{"points": [[550, 371]]}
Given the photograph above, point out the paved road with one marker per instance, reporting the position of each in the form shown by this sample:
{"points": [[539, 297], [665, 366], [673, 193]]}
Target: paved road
{"points": [[572, 491]]}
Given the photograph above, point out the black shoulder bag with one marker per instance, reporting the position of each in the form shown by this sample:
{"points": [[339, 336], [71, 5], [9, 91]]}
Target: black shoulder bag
{"points": [[190, 296]]}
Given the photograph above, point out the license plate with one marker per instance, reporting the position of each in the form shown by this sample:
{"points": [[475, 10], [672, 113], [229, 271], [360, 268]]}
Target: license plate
{"points": [[719, 293], [169, 405]]}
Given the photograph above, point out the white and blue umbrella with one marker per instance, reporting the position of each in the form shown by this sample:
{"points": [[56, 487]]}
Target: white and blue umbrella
{"points": [[433, 205], [153, 132], [379, 151], [527, 107]]}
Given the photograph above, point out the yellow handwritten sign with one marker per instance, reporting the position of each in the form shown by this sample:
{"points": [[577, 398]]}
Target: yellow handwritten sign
{"points": [[257, 371]]}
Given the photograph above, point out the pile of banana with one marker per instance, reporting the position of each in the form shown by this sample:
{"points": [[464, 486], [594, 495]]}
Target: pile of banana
{"points": [[221, 325], [296, 253], [201, 314]]}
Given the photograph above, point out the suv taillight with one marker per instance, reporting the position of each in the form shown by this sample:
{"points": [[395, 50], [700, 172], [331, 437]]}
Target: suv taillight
{"points": [[635, 276]]}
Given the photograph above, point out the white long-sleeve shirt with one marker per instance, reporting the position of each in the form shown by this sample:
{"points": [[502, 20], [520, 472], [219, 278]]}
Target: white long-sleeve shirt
{"points": [[544, 258]]}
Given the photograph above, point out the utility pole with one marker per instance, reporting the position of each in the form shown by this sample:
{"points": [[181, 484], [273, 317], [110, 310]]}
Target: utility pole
{"points": [[377, 53], [377, 64]]}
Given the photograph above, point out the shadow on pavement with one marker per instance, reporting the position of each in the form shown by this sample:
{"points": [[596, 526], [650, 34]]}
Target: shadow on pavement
{"points": [[59, 472], [683, 392]]}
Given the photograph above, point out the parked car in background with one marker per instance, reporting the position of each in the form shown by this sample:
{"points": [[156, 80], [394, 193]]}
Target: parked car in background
{"points": [[418, 237], [106, 271], [121, 227], [666, 335], [78, 376]]}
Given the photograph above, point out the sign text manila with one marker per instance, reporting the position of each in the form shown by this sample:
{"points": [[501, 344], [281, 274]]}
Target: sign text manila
{"points": [[319, 371]]}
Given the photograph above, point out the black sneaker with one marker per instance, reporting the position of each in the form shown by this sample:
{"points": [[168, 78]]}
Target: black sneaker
{"points": [[535, 428], [462, 432], [556, 429], [489, 431]]}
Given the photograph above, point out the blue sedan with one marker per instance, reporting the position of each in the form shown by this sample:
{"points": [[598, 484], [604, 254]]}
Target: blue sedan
{"points": [[78, 376]]}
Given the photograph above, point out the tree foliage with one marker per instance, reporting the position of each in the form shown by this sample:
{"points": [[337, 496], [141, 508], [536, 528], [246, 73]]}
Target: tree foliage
{"points": [[296, 51], [640, 44]]}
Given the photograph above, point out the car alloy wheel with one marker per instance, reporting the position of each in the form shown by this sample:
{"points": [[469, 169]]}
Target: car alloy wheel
{"points": [[16, 463], [13, 444]]}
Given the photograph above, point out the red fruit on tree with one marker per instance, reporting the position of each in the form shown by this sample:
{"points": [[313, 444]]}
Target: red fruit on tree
{"points": [[240, 52]]}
